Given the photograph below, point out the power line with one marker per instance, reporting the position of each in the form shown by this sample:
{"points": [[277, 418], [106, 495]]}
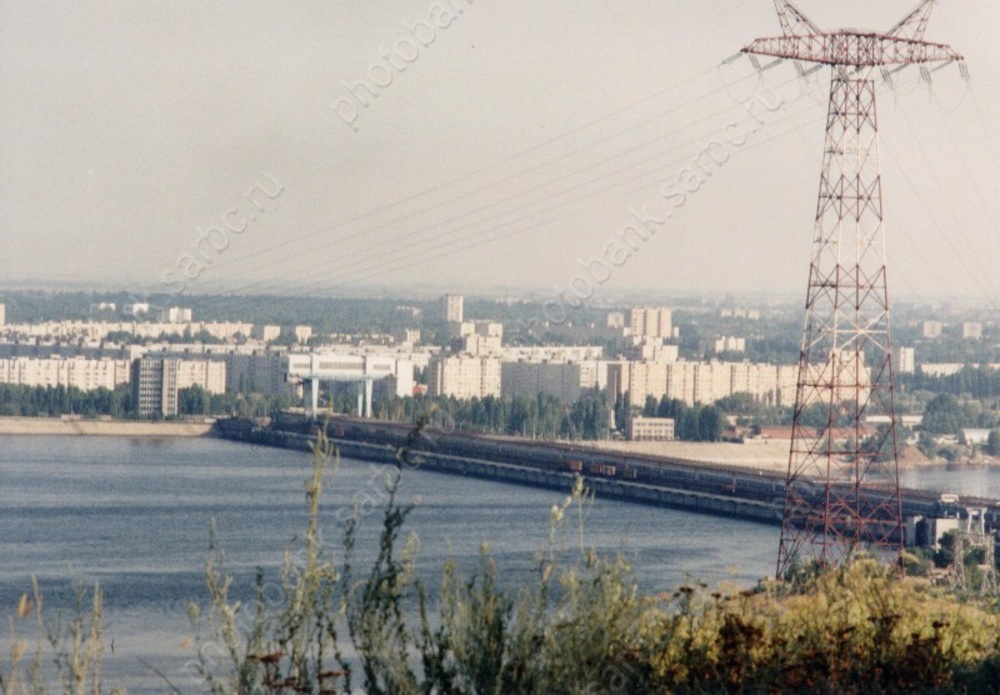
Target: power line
{"points": [[489, 167], [349, 258]]}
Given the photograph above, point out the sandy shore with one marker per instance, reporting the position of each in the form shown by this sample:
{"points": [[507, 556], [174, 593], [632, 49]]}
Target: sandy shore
{"points": [[772, 456], [107, 428]]}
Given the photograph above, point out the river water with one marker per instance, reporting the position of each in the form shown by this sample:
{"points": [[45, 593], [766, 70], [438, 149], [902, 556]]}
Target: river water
{"points": [[133, 515]]}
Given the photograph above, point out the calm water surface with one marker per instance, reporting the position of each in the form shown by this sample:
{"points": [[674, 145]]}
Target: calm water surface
{"points": [[134, 515]]}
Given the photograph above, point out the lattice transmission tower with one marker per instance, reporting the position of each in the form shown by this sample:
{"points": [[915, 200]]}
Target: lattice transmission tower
{"points": [[842, 490]]}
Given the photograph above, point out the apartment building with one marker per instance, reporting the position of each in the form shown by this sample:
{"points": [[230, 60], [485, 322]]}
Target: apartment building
{"points": [[464, 376], [651, 322], [701, 382], [452, 308], [563, 381], [157, 379], [71, 372], [728, 343]]}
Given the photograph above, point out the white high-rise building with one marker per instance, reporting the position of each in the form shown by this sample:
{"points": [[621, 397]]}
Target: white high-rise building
{"points": [[176, 314], [650, 322], [972, 330], [933, 329], [156, 381], [73, 372], [702, 382], [463, 376], [452, 308], [907, 360]]}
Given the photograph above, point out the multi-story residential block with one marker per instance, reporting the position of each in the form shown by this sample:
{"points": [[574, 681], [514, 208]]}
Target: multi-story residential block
{"points": [[157, 379], [99, 330], [463, 376], [452, 308], [650, 322], [476, 344], [943, 369], [176, 314], [260, 372], [972, 330], [933, 329], [652, 350], [728, 343], [741, 313], [563, 381], [551, 353], [154, 387], [71, 372], [907, 363], [477, 337], [701, 382], [409, 336], [265, 332]]}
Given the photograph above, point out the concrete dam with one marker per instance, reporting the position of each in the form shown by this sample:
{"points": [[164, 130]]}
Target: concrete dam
{"points": [[717, 489]]}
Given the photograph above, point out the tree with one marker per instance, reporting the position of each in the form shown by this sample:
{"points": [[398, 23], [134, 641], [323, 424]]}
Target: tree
{"points": [[194, 400], [945, 554], [943, 415], [993, 443], [687, 426], [649, 409], [710, 424]]}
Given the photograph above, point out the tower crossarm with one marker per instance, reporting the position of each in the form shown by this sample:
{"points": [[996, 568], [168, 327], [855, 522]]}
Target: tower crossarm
{"points": [[857, 49]]}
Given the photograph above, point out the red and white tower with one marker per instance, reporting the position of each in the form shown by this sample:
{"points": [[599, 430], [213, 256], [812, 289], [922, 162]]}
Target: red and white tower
{"points": [[842, 491]]}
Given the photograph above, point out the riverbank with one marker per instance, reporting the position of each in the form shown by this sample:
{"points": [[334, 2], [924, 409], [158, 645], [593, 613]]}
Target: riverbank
{"points": [[108, 428], [769, 456]]}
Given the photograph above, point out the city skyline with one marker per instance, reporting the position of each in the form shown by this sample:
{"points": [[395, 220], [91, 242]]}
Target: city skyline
{"points": [[509, 147]]}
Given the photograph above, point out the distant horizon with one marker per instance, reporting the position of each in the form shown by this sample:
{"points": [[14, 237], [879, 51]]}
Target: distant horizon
{"points": [[622, 297]]}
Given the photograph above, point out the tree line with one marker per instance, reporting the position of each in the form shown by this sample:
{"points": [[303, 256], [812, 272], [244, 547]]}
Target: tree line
{"points": [[542, 416], [982, 383], [40, 401]]}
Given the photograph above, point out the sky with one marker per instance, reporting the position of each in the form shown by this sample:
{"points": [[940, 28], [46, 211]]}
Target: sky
{"points": [[349, 147]]}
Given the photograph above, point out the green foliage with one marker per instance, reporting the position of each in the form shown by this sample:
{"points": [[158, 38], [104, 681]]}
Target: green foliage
{"points": [[945, 414], [696, 423], [41, 401], [993, 443], [855, 629], [542, 416], [194, 400], [982, 383], [753, 411]]}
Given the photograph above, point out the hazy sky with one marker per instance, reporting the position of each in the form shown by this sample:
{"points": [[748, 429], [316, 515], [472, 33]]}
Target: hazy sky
{"points": [[498, 148]]}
